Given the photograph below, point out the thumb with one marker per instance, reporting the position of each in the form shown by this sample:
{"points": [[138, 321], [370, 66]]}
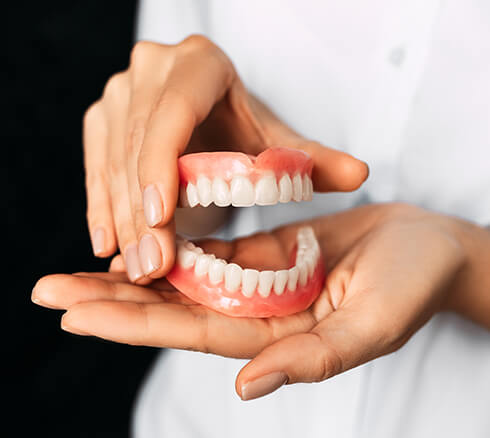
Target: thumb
{"points": [[333, 170], [342, 341]]}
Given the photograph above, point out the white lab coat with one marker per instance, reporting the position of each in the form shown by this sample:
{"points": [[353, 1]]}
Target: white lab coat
{"points": [[405, 86]]}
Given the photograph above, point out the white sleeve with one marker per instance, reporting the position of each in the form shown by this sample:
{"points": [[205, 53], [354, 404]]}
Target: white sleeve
{"points": [[170, 21]]}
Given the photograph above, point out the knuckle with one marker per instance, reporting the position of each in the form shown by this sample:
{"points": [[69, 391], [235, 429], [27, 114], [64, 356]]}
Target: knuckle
{"points": [[196, 42], [141, 51], [116, 85], [92, 114]]}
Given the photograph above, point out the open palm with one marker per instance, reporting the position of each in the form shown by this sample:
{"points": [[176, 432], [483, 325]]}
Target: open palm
{"points": [[388, 270]]}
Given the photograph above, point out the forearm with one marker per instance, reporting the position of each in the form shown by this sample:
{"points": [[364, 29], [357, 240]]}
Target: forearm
{"points": [[470, 293]]}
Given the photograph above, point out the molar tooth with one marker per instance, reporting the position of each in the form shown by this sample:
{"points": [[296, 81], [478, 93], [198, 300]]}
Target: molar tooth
{"points": [[266, 279], [192, 197], [280, 280], [310, 262], [220, 192], [293, 275], [297, 188], [303, 273], [202, 264], [307, 188], [216, 271], [250, 278], [233, 277], [242, 192], [285, 188], [203, 186], [185, 257], [266, 191]]}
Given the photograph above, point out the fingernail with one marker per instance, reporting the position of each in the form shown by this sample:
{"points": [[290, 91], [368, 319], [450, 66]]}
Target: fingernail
{"points": [[152, 205], [132, 262], [73, 330], [263, 385], [149, 254], [98, 240]]}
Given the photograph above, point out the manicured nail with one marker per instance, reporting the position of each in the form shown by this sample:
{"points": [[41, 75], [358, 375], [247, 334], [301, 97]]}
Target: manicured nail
{"points": [[149, 254], [152, 204], [132, 262], [263, 385], [98, 240]]}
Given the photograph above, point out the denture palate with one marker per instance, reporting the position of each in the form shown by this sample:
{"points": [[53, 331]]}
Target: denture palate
{"points": [[251, 281], [240, 191]]}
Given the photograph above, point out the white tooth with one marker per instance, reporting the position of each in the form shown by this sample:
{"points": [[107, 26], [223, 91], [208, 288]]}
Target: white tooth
{"points": [[285, 188], [203, 186], [266, 279], [186, 257], [297, 188], [250, 278], [202, 264], [242, 192], [192, 247], [220, 192], [192, 197], [307, 188], [280, 280], [217, 271], [310, 261], [183, 202], [300, 254], [233, 277], [303, 273], [266, 191], [293, 275]]}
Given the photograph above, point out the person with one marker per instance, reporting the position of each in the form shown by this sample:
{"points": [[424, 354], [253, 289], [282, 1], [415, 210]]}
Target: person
{"points": [[404, 87]]}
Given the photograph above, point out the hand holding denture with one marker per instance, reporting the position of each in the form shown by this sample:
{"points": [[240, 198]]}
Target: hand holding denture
{"points": [[175, 99], [389, 269]]}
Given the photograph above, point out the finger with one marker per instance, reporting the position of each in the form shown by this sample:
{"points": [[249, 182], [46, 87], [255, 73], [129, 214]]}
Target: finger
{"points": [[117, 264], [61, 291], [200, 76], [99, 211], [116, 101], [341, 341], [335, 170]]}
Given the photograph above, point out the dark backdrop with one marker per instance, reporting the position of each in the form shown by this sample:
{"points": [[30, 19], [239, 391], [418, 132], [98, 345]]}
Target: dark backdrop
{"points": [[56, 58]]}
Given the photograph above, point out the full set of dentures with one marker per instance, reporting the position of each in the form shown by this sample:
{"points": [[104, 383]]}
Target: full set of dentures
{"points": [[228, 178]]}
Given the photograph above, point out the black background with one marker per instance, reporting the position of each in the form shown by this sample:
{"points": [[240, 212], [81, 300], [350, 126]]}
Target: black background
{"points": [[56, 59]]}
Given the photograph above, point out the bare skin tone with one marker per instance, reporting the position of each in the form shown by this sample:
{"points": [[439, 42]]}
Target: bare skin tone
{"points": [[390, 267], [171, 100]]}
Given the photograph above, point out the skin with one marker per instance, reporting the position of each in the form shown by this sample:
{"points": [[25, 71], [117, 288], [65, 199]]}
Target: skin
{"points": [[390, 268], [171, 100]]}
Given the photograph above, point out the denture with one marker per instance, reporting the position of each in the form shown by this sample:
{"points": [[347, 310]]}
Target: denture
{"points": [[241, 180], [277, 175], [237, 291]]}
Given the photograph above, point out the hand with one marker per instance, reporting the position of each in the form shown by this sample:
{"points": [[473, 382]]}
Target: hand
{"points": [[172, 99], [391, 267]]}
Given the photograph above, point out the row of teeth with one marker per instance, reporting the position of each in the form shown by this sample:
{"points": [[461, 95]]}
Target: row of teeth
{"points": [[240, 192], [250, 281]]}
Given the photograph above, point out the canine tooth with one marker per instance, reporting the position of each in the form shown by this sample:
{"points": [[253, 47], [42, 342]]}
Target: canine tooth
{"points": [[192, 197], [202, 264], [220, 192], [293, 275], [183, 202], [307, 188], [303, 273], [266, 279], [216, 271], [233, 277], [280, 280], [297, 188], [203, 186], [266, 191], [185, 257], [242, 192], [250, 278], [285, 188]]}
